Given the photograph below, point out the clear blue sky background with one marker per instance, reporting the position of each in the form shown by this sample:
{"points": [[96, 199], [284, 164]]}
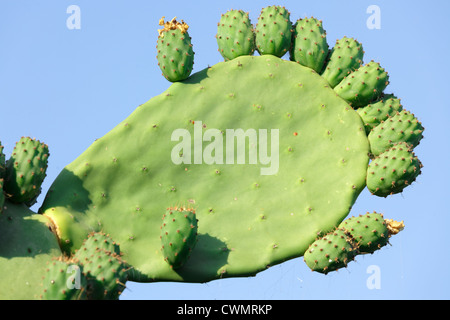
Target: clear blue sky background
{"points": [[69, 87]]}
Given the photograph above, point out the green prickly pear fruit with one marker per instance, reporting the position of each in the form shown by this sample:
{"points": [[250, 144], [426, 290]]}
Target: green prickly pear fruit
{"points": [[393, 170], [175, 54], [379, 111], [274, 31], [309, 47], [178, 235], [106, 274], [235, 36], [345, 57], [330, 252], [26, 170], [64, 280], [363, 85], [96, 241], [370, 231], [402, 127]]}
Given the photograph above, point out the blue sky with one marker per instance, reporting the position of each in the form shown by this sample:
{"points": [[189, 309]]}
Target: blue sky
{"points": [[69, 87]]}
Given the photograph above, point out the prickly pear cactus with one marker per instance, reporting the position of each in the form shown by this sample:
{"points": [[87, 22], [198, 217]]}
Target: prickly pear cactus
{"points": [[401, 127], [378, 112], [331, 252], [369, 232], [345, 57], [175, 53], [309, 45], [274, 31], [178, 235], [64, 280], [235, 35], [271, 154], [393, 170], [26, 170], [354, 236], [364, 85], [96, 241], [106, 274]]}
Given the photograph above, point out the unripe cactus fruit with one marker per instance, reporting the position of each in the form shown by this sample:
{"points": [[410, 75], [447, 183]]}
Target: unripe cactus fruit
{"points": [[26, 170], [105, 270], [309, 47], [64, 280], [175, 55], [331, 252], [370, 231], [379, 111], [273, 31], [364, 85], [106, 273], [345, 57], [235, 36], [178, 235], [402, 127], [96, 241], [393, 170]]}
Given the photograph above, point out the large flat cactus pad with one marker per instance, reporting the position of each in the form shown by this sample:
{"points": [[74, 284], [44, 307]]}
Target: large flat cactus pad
{"points": [[250, 215]]}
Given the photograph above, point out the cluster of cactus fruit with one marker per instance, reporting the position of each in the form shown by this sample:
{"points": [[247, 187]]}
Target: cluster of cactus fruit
{"points": [[332, 113], [95, 272], [356, 235]]}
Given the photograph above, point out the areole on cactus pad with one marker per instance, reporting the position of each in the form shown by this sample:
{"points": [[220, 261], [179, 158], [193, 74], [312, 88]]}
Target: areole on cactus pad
{"points": [[270, 154]]}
